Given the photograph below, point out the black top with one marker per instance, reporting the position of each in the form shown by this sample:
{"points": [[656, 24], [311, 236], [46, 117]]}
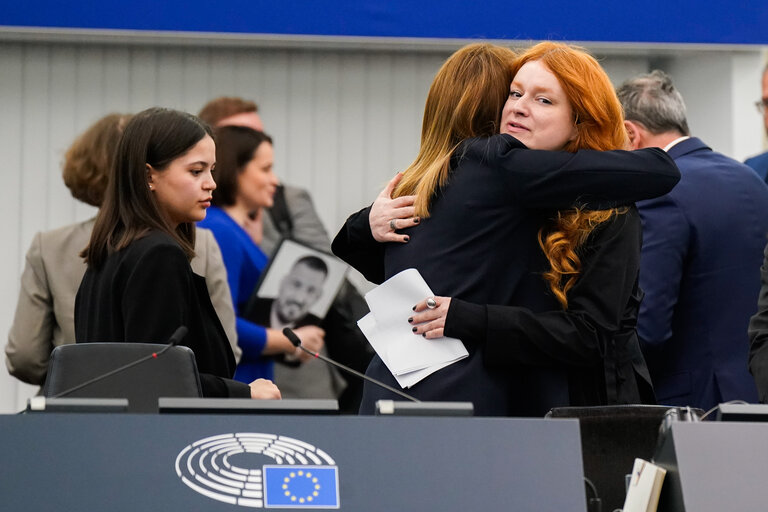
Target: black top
{"points": [[143, 293], [586, 355], [479, 245]]}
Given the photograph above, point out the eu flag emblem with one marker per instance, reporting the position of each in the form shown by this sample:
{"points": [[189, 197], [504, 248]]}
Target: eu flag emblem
{"points": [[301, 487]]}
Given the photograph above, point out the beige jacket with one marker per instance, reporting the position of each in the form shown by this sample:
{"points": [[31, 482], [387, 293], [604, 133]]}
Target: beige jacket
{"points": [[45, 312]]}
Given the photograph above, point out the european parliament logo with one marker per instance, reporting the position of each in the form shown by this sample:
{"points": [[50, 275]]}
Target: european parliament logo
{"points": [[260, 471]]}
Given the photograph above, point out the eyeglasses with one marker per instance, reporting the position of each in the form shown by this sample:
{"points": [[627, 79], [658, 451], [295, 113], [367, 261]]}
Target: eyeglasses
{"points": [[762, 105]]}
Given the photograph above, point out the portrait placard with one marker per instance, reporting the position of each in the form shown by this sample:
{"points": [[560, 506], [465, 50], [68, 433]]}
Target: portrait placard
{"points": [[297, 287]]}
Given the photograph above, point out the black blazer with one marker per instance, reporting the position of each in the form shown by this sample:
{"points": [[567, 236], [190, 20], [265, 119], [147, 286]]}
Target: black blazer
{"points": [[480, 242], [142, 294]]}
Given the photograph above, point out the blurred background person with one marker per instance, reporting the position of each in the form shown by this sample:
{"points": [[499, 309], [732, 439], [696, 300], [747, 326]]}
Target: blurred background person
{"points": [[45, 310], [293, 215], [760, 162], [702, 248], [139, 285], [302, 222], [246, 185]]}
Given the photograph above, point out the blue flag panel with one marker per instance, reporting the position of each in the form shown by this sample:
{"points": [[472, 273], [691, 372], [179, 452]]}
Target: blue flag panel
{"points": [[301, 487]]}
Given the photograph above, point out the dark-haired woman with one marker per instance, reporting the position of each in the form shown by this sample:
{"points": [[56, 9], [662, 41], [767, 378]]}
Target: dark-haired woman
{"points": [[246, 186], [139, 286]]}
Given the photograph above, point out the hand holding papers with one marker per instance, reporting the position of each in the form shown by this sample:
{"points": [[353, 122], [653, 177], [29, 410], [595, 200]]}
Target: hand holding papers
{"points": [[410, 358]]}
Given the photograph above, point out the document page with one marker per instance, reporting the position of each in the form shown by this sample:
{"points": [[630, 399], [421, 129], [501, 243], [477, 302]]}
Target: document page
{"points": [[409, 357]]}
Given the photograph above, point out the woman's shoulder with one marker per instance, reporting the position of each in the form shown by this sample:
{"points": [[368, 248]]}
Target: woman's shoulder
{"points": [[154, 244], [490, 148]]}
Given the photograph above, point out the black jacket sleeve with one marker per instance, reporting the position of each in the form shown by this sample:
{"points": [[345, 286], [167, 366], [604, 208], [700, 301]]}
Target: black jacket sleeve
{"points": [[154, 306], [758, 336], [355, 244], [593, 179], [219, 387], [577, 336]]}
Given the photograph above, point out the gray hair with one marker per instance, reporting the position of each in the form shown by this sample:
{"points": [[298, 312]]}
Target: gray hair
{"points": [[652, 100]]}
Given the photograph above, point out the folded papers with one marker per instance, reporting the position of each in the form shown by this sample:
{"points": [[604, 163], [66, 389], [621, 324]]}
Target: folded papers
{"points": [[410, 358]]}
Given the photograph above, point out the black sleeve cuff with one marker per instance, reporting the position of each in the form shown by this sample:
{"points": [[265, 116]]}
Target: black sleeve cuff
{"points": [[219, 387], [466, 321]]}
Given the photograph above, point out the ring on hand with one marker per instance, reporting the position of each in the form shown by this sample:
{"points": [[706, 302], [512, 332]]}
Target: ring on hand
{"points": [[392, 225], [431, 303]]}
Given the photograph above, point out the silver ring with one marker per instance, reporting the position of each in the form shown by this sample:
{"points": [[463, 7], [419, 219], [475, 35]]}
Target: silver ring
{"points": [[431, 303], [392, 225]]}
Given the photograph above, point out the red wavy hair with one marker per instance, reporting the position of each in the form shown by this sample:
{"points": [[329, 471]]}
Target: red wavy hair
{"points": [[599, 122]]}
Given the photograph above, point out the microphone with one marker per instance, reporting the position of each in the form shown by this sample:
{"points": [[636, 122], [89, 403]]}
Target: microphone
{"points": [[174, 340], [297, 343]]}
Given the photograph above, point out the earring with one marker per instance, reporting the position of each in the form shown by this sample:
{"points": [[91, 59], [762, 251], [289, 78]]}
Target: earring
{"points": [[150, 188]]}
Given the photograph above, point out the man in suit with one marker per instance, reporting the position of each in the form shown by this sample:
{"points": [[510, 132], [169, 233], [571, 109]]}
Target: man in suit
{"points": [[760, 162], [305, 224], [701, 255]]}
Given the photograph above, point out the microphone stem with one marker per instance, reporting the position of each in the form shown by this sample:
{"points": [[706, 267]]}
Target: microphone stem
{"points": [[355, 372]]}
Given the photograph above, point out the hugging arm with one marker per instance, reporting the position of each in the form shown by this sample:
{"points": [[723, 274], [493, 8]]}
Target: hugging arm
{"points": [[594, 179], [577, 336]]}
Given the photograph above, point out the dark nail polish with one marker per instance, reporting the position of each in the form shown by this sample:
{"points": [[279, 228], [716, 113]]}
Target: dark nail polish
{"points": [[424, 334], [416, 220], [414, 308], [410, 320], [407, 239], [414, 329]]}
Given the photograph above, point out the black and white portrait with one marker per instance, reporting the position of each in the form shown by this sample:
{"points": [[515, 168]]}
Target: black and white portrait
{"points": [[297, 287]]}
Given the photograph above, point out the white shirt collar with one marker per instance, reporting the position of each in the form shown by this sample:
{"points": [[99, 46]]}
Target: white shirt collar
{"points": [[671, 144]]}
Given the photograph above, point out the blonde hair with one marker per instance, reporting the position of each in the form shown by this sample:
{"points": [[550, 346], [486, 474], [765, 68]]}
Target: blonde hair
{"points": [[600, 125], [465, 100]]}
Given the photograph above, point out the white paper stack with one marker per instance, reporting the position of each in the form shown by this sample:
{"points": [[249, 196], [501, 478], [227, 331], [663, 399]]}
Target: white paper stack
{"points": [[409, 357]]}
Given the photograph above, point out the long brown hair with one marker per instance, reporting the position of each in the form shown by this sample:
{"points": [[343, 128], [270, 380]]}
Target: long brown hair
{"points": [[600, 125], [465, 100], [156, 137]]}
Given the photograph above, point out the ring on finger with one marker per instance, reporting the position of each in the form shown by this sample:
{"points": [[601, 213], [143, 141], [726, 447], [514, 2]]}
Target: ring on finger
{"points": [[431, 303], [392, 225]]}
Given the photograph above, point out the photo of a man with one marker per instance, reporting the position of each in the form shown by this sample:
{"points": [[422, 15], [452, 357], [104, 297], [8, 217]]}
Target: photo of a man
{"points": [[299, 290], [297, 287]]}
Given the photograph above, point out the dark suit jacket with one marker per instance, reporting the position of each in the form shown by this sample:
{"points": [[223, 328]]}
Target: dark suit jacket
{"points": [[700, 263], [759, 163], [142, 294], [758, 336], [480, 239]]}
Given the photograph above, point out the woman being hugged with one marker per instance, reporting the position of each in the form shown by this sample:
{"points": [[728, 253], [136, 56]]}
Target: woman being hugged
{"points": [[139, 286]]}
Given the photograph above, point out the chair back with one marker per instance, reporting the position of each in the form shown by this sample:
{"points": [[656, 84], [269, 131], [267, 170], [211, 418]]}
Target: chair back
{"points": [[171, 374]]}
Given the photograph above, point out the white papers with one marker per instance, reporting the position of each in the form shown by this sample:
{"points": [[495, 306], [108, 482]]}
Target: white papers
{"points": [[409, 357]]}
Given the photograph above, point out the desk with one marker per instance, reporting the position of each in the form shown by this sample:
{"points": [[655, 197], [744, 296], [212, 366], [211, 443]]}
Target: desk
{"points": [[127, 462], [714, 466]]}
